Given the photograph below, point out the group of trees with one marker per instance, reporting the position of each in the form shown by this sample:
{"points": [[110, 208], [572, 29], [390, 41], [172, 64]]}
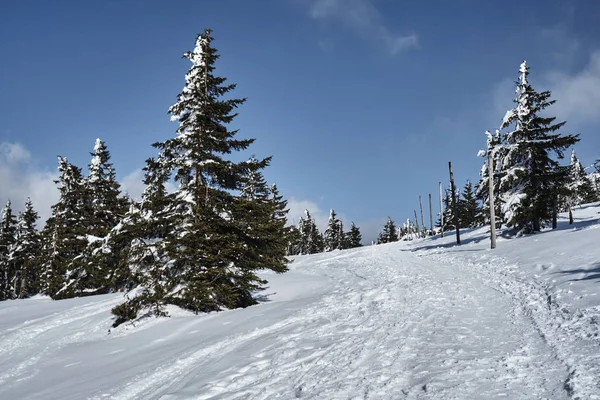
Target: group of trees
{"points": [[306, 238], [62, 260], [199, 246], [530, 184]]}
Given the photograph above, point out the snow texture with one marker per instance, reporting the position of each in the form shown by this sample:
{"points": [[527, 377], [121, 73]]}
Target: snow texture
{"points": [[419, 320]]}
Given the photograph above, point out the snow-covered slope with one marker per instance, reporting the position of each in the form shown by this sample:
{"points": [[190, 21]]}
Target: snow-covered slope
{"points": [[417, 320]]}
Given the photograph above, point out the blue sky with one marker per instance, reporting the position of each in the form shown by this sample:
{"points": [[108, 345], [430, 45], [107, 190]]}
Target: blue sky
{"points": [[362, 103]]}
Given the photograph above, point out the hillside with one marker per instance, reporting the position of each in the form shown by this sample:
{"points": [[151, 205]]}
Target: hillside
{"points": [[417, 320]]}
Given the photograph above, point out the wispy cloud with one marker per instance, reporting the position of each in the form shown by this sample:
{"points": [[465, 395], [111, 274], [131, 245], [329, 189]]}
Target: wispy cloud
{"points": [[577, 94], [365, 19], [20, 178]]}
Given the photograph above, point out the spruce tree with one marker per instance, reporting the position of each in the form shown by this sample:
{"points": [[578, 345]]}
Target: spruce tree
{"points": [[25, 254], [389, 234], [108, 207], [152, 225], [581, 187], [261, 218], [212, 252], [470, 211], [343, 240], [311, 240], [354, 236], [64, 234], [317, 243], [8, 230], [332, 233], [494, 143], [532, 179], [449, 210]]}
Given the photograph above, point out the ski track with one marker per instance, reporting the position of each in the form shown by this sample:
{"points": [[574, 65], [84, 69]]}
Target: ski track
{"points": [[395, 326], [571, 335], [391, 324]]}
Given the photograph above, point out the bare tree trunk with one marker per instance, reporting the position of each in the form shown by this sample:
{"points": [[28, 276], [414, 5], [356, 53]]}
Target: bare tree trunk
{"points": [[454, 202], [417, 224], [570, 215], [430, 215], [441, 211], [422, 218], [492, 206]]}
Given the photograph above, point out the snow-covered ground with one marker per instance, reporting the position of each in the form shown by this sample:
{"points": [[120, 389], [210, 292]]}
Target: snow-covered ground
{"points": [[418, 320]]}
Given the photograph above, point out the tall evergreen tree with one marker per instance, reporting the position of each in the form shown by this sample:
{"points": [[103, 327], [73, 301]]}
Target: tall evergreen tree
{"points": [[494, 142], [532, 179], [449, 210], [64, 234], [317, 243], [470, 211], [581, 187], [211, 255], [26, 252], [389, 234], [343, 239], [311, 240], [261, 215], [332, 233], [108, 207], [152, 225], [8, 230], [354, 236]]}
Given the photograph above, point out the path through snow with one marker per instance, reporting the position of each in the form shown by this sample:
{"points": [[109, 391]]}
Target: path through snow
{"points": [[373, 323]]}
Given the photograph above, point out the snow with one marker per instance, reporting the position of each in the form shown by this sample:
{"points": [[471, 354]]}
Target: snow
{"points": [[406, 320]]}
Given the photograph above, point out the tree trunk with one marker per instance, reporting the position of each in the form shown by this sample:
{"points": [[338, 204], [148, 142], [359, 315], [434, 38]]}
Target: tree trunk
{"points": [[454, 203]]}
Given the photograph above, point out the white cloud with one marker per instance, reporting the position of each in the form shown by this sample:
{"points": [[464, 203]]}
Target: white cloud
{"points": [[296, 211], [365, 19], [577, 95], [132, 184], [20, 178]]}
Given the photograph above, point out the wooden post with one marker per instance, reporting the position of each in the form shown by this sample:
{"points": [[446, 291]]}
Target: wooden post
{"points": [[430, 215], [454, 202], [570, 214], [492, 206], [417, 224], [441, 211], [422, 218]]}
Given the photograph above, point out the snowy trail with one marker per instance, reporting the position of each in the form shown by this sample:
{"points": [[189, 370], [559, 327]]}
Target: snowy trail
{"points": [[379, 322]]}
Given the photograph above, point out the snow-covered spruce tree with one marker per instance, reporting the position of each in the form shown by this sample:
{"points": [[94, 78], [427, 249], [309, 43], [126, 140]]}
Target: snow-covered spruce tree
{"points": [[581, 187], [25, 253], [8, 230], [209, 246], [260, 216], [532, 179], [482, 189], [108, 207], [343, 239], [317, 243], [293, 247], [311, 240], [101, 268], [449, 210], [286, 233], [389, 234], [64, 235], [305, 231], [354, 236], [152, 228], [470, 211], [332, 233]]}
